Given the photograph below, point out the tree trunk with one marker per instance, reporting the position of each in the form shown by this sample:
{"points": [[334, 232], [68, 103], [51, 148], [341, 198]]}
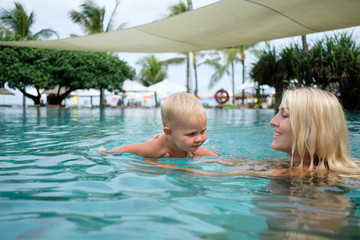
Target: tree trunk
{"points": [[243, 81], [54, 99], [187, 73], [305, 45], [36, 99], [196, 79], [102, 97], [24, 99], [233, 82], [57, 99]]}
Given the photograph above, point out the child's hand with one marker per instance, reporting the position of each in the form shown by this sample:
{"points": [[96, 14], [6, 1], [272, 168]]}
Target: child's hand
{"points": [[189, 154], [166, 155], [101, 150]]}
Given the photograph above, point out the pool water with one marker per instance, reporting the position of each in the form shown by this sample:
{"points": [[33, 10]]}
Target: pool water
{"points": [[55, 185]]}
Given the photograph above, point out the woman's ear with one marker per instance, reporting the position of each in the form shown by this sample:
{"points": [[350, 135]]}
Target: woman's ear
{"points": [[167, 131]]}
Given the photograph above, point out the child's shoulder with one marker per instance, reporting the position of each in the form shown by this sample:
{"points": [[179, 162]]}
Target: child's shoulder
{"points": [[154, 147]]}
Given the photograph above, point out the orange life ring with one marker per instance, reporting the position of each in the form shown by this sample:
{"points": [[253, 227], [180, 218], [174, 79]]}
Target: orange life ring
{"points": [[222, 96]]}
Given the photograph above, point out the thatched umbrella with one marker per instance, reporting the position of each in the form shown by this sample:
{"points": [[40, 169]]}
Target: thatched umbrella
{"points": [[54, 91], [247, 95], [4, 91]]}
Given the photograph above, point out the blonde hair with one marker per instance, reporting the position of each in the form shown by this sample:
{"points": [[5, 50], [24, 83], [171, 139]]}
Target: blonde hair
{"points": [[318, 129], [180, 106]]}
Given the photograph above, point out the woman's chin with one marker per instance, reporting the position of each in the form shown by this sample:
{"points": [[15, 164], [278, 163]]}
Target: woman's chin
{"points": [[273, 146]]}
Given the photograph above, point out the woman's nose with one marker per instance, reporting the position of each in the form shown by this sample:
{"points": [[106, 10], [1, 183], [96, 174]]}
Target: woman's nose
{"points": [[273, 121]]}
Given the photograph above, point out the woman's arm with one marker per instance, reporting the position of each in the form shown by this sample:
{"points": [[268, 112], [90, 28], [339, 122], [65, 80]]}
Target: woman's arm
{"points": [[273, 172]]}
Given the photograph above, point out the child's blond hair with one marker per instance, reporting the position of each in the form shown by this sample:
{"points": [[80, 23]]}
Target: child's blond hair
{"points": [[180, 106]]}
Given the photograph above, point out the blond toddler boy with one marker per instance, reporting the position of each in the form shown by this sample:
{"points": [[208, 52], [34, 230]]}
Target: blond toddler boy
{"points": [[184, 120]]}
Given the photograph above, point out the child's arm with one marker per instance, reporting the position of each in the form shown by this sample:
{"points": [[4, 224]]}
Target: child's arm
{"points": [[150, 148], [145, 149], [203, 151], [131, 148]]}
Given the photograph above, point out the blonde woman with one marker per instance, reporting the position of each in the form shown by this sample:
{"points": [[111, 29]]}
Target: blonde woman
{"points": [[310, 126]]}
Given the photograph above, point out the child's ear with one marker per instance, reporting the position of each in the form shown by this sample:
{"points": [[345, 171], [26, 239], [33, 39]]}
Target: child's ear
{"points": [[167, 131]]}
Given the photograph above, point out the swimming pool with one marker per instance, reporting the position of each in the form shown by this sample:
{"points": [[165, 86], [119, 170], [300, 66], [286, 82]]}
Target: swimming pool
{"points": [[55, 185]]}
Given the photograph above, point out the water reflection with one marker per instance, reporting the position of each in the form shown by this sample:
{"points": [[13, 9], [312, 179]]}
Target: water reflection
{"points": [[304, 209]]}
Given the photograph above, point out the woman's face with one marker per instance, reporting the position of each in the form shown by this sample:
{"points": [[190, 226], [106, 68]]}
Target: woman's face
{"points": [[282, 139]]}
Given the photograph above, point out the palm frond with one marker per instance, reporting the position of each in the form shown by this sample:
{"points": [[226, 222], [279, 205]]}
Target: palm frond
{"points": [[46, 33], [111, 20]]}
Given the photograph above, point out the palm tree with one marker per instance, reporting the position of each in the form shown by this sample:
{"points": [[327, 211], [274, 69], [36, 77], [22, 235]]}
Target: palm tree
{"points": [[278, 69], [196, 55], [223, 69], [181, 7], [153, 70], [305, 48], [17, 24], [231, 56], [91, 18], [336, 66], [241, 52], [177, 9]]}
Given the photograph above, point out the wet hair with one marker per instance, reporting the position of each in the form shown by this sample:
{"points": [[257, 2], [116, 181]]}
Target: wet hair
{"points": [[318, 129], [180, 106]]}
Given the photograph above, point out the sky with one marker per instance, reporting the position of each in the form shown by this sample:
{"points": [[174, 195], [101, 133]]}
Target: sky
{"points": [[54, 14]]}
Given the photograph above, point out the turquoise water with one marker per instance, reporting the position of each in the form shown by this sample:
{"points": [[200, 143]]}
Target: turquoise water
{"points": [[55, 185]]}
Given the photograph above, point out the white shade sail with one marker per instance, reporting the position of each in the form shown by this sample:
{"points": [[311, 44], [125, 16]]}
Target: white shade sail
{"points": [[167, 87], [222, 24], [88, 93], [133, 86], [248, 85]]}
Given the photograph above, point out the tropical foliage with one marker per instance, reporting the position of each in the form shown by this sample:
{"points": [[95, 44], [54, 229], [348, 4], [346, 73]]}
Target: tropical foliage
{"points": [[180, 7], [153, 70], [335, 65], [230, 56], [332, 63], [196, 56], [176, 9], [17, 23], [91, 18], [46, 69]]}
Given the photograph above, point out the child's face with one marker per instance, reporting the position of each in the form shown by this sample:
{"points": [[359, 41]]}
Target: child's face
{"points": [[190, 134]]}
